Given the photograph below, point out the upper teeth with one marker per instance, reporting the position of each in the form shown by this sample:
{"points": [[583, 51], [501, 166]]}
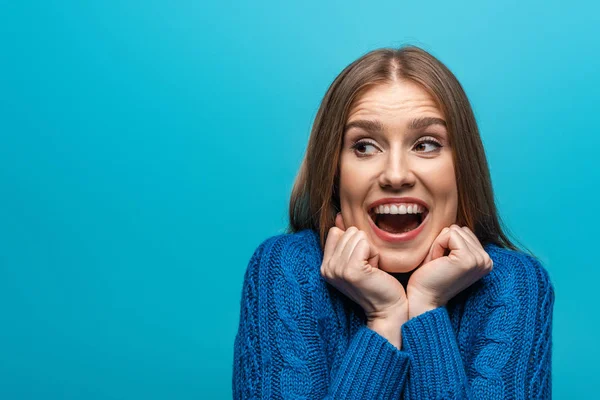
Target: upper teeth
{"points": [[399, 209]]}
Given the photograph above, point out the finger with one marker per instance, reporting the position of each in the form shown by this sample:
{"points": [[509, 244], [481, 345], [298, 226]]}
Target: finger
{"points": [[470, 237], [333, 236], [337, 257], [474, 244], [449, 240], [440, 244], [351, 244], [474, 247], [436, 247], [478, 246], [487, 260], [456, 240], [364, 250], [339, 221], [469, 246], [349, 252]]}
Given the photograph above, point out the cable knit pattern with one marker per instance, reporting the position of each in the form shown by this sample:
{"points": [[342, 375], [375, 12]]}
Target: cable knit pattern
{"points": [[300, 338], [289, 339]]}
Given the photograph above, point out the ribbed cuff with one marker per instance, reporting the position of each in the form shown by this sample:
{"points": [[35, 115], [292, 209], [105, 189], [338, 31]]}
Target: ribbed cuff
{"points": [[373, 368], [434, 355]]}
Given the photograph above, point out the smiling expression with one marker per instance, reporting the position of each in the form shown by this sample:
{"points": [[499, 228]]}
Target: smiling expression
{"points": [[396, 145]]}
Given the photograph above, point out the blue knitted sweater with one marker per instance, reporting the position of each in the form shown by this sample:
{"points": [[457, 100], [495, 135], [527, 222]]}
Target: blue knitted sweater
{"points": [[300, 338]]}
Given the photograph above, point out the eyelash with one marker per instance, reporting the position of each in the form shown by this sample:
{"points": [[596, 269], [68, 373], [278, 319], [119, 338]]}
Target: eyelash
{"points": [[429, 140]]}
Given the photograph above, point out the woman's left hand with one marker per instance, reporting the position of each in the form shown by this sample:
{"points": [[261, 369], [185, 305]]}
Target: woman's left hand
{"points": [[441, 277]]}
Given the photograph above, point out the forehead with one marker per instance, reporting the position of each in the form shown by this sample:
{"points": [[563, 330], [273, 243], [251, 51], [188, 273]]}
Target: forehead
{"points": [[394, 100]]}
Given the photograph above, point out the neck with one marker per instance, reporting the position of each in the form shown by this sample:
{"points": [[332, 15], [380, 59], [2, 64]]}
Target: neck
{"points": [[403, 277]]}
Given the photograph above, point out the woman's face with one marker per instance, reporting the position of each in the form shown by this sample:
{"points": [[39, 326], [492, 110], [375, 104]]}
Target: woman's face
{"points": [[396, 158]]}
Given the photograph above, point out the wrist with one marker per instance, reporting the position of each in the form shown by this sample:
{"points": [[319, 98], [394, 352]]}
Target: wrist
{"points": [[417, 308], [389, 326], [420, 302]]}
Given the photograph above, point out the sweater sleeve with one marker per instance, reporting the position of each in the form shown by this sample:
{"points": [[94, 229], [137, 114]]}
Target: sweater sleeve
{"points": [[280, 350], [506, 341]]}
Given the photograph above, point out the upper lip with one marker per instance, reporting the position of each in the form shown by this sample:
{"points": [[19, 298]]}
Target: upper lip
{"points": [[396, 200]]}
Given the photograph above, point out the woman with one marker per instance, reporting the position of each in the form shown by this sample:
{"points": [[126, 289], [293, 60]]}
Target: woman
{"points": [[396, 279]]}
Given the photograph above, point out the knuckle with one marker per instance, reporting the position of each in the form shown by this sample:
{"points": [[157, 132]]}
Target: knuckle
{"points": [[332, 263], [485, 265], [335, 270], [329, 275], [334, 233], [487, 260], [323, 272], [349, 275], [324, 268], [473, 261], [480, 260], [362, 235]]}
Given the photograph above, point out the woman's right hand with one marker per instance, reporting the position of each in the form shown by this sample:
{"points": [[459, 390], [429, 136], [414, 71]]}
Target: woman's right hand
{"points": [[350, 263]]}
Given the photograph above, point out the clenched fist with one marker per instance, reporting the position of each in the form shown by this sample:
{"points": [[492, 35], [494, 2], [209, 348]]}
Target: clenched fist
{"points": [[442, 276], [350, 264]]}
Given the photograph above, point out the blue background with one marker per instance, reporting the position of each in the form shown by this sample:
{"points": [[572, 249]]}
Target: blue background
{"points": [[147, 148]]}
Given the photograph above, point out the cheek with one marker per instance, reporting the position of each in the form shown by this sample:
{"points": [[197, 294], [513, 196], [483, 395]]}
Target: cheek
{"points": [[447, 192], [447, 188], [441, 181], [450, 189], [354, 184]]}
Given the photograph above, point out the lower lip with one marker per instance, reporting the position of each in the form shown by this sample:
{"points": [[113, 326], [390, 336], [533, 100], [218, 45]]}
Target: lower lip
{"points": [[397, 237]]}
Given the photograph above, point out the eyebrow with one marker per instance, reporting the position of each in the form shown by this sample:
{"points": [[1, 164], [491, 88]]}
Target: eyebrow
{"points": [[369, 126], [424, 122], [377, 127]]}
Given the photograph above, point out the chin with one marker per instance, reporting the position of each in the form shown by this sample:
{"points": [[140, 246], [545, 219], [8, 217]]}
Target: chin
{"points": [[400, 261]]}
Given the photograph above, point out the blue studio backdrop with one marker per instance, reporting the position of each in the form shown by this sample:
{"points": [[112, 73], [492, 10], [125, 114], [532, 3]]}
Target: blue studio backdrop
{"points": [[148, 147]]}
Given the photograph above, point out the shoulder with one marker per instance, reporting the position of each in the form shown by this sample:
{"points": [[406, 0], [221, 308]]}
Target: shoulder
{"points": [[291, 254], [290, 247], [284, 274], [516, 272]]}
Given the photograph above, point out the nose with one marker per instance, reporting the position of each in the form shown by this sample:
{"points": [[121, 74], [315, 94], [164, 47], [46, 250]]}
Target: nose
{"points": [[397, 172]]}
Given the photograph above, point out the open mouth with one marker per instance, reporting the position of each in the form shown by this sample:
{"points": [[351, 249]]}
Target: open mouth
{"points": [[398, 219]]}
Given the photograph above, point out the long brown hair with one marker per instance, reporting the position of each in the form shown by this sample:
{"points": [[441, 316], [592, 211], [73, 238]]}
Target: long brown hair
{"points": [[315, 201]]}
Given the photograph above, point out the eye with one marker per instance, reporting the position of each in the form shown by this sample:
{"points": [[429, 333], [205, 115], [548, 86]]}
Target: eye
{"points": [[364, 148], [434, 145]]}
